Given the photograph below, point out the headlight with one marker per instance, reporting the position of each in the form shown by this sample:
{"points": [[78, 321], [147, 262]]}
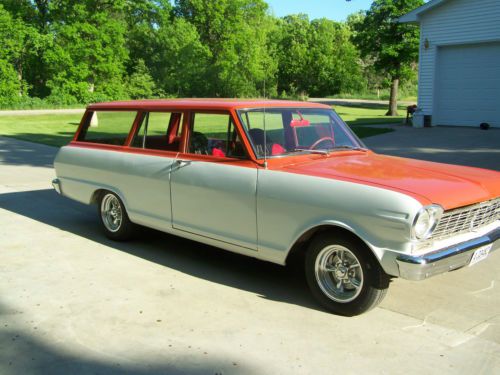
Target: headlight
{"points": [[426, 221]]}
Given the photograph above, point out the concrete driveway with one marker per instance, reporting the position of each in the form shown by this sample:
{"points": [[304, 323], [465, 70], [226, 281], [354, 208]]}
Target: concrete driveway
{"points": [[73, 302], [445, 144]]}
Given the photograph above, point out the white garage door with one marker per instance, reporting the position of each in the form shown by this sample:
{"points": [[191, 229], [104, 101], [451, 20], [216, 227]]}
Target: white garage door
{"points": [[468, 85]]}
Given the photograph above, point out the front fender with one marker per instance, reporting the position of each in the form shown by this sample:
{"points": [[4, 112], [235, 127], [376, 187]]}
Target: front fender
{"points": [[379, 217]]}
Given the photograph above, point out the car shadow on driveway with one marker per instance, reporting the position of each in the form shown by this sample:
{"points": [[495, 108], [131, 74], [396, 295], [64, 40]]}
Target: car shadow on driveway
{"points": [[269, 281]]}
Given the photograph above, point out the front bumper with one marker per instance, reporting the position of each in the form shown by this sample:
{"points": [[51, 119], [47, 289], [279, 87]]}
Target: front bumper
{"points": [[444, 260]]}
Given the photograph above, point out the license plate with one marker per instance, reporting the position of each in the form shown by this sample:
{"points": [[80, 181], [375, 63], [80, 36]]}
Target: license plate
{"points": [[480, 254]]}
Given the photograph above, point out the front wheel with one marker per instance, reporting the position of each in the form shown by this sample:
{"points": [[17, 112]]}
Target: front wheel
{"points": [[343, 276], [117, 226]]}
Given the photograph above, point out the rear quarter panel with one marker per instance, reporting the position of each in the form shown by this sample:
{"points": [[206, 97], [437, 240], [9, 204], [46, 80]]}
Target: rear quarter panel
{"points": [[141, 181]]}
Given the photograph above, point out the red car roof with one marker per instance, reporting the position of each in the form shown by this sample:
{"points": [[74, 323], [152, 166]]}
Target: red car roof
{"points": [[215, 104]]}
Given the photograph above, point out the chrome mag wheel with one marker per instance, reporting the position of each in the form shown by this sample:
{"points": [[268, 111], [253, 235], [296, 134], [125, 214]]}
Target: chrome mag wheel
{"points": [[111, 212], [338, 273]]}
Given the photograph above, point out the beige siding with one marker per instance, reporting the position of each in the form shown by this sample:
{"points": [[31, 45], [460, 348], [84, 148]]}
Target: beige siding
{"points": [[453, 22]]}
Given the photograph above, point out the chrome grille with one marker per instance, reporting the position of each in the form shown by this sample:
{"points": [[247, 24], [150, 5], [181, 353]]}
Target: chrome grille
{"points": [[467, 219]]}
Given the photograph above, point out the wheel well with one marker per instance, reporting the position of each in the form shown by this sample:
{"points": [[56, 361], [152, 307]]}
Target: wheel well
{"points": [[299, 249], [97, 195]]}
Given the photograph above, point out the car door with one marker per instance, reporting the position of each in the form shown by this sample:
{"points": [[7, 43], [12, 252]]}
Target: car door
{"points": [[213, 184], [151, 154]]}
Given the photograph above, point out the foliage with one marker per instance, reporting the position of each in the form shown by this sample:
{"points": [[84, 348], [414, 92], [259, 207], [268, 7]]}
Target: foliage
{"points": [[332, 59], [169, 46], [140, 83], [88, 51], [235, 32], [70, 52], [9, 83], [316, 57], [15, 37], [392, 46], [292, 46]]}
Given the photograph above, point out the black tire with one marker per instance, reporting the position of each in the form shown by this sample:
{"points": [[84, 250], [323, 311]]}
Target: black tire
{"points": [[117, 231], [346, 288]]}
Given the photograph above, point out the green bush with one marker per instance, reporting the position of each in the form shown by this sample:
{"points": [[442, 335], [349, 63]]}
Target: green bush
{"points": [[10, 86]]}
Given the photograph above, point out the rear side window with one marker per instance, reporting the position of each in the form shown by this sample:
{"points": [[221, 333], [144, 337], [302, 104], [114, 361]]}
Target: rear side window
{"points": [[108, 127], [159, 131]]}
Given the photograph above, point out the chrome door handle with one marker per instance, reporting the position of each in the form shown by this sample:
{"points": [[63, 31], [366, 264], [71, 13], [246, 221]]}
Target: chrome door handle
{"points": [[182, 163]]}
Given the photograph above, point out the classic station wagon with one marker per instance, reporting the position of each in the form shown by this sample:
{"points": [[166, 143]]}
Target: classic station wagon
{"points": [[278, 180]]}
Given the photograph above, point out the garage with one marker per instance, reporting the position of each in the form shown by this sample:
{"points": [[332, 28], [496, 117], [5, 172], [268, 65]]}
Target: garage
{"points": [[468, 85], [459, 62]]}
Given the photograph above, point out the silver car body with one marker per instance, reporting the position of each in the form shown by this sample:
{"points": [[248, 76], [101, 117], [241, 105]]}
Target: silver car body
{"points": [[260, 212]]}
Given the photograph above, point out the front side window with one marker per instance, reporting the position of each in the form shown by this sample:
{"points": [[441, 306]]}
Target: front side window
{"points": [[281, 131], [214, 134], [159, 131], [107, 127]]}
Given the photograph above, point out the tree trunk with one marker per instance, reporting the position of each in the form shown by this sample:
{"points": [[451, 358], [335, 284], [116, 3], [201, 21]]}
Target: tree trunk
{"points": [[393, 101], [20, 77]]}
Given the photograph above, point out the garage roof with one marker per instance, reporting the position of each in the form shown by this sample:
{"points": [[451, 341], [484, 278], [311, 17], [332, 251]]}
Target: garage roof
{"points": [[414, 15]]}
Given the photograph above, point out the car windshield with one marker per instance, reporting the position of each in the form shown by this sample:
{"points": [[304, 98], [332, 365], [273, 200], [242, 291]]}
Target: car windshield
{"points": [[283, 131]]}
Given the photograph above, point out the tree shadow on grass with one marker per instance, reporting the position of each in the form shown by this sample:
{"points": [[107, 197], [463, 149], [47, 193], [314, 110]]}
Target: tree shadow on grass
{"points": [[267, 280], [366, 131], [367, 121]]}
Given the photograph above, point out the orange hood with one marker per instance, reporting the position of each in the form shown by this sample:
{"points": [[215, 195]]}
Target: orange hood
{"points": [[450, 186]]}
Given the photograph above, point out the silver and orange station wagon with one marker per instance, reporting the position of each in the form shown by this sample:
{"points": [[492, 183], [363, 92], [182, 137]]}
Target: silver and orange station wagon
{"points": [[279, 179]]}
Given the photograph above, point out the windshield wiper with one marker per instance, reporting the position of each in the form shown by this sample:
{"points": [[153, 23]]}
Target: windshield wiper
{"points": [[321, 152], [327, 152], [348, 148]]}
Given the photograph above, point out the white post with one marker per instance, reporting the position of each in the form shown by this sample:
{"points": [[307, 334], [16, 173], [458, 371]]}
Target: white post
{"points": [[94, 122]]}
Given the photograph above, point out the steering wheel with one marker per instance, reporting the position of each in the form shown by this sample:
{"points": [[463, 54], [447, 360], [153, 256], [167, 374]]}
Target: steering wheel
{"points": [[321, 140]]}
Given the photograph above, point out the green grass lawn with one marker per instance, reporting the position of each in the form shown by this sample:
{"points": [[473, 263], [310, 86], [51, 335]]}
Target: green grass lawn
{"points": [[53, 130], [58, 129], [369, 114]]}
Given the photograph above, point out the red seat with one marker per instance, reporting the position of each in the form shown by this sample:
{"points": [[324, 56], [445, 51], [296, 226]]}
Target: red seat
{"points": [[218, 152], [277, 149]]}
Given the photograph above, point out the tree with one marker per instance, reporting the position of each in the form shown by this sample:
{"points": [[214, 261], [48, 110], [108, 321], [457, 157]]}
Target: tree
{"points": [[184, 66], [9, 84], [292, 50], [332, 65], [31, 63], [140, 84], [316, 57], [235, 33], [16, 38], [170, 47], [88, 53], [392, 45], [373, 80]]}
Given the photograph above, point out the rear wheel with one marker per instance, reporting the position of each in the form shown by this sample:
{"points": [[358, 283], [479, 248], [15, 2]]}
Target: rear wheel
{"points": [[343, 276], [117, 226]]}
